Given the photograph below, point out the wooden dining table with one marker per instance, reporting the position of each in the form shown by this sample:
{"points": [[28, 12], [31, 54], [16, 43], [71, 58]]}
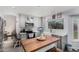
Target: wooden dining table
{"points": [[34, 45]]}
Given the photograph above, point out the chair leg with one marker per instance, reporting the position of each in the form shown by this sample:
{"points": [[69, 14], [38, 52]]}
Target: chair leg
{"points": [[17, 44]]}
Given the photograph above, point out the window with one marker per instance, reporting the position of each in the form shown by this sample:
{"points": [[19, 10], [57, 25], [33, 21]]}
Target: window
{"points": [[75, 29]]}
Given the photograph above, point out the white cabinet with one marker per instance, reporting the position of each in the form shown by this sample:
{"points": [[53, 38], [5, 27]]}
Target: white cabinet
{"points": [[63, 38], [62, 42]]}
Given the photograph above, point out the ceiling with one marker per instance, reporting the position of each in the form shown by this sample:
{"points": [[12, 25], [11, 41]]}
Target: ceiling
{"points": [[38, 11]]}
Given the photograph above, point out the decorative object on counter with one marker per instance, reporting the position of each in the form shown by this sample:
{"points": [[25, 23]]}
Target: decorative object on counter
{"points": [[40, 29], [41, 38]]}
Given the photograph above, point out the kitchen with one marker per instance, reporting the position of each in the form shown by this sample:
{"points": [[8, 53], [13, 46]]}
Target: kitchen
{"points": [[37, 29]]}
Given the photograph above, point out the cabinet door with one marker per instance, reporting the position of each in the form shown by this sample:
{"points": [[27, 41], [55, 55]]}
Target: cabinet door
{"points": [[63, 41]]}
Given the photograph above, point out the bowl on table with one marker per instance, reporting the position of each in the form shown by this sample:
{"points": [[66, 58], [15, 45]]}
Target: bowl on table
{"points": [[41, 38]]}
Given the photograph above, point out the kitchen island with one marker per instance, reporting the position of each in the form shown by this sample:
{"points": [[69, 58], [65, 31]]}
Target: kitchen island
{"points": [[34, 45]]}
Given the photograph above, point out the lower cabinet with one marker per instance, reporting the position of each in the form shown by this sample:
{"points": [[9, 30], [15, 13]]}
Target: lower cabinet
{"points": [[62, 42]]}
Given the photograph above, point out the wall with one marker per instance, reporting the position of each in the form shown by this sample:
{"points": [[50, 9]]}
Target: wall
{"points": [[75, 42], [68, 27], [74, 15], [37, 23], [22, 18], [17, 24], [64, 17], [45, 23]]}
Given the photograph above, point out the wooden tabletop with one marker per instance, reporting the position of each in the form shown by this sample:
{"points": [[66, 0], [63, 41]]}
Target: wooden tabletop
{"points": [[33, 44]]}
